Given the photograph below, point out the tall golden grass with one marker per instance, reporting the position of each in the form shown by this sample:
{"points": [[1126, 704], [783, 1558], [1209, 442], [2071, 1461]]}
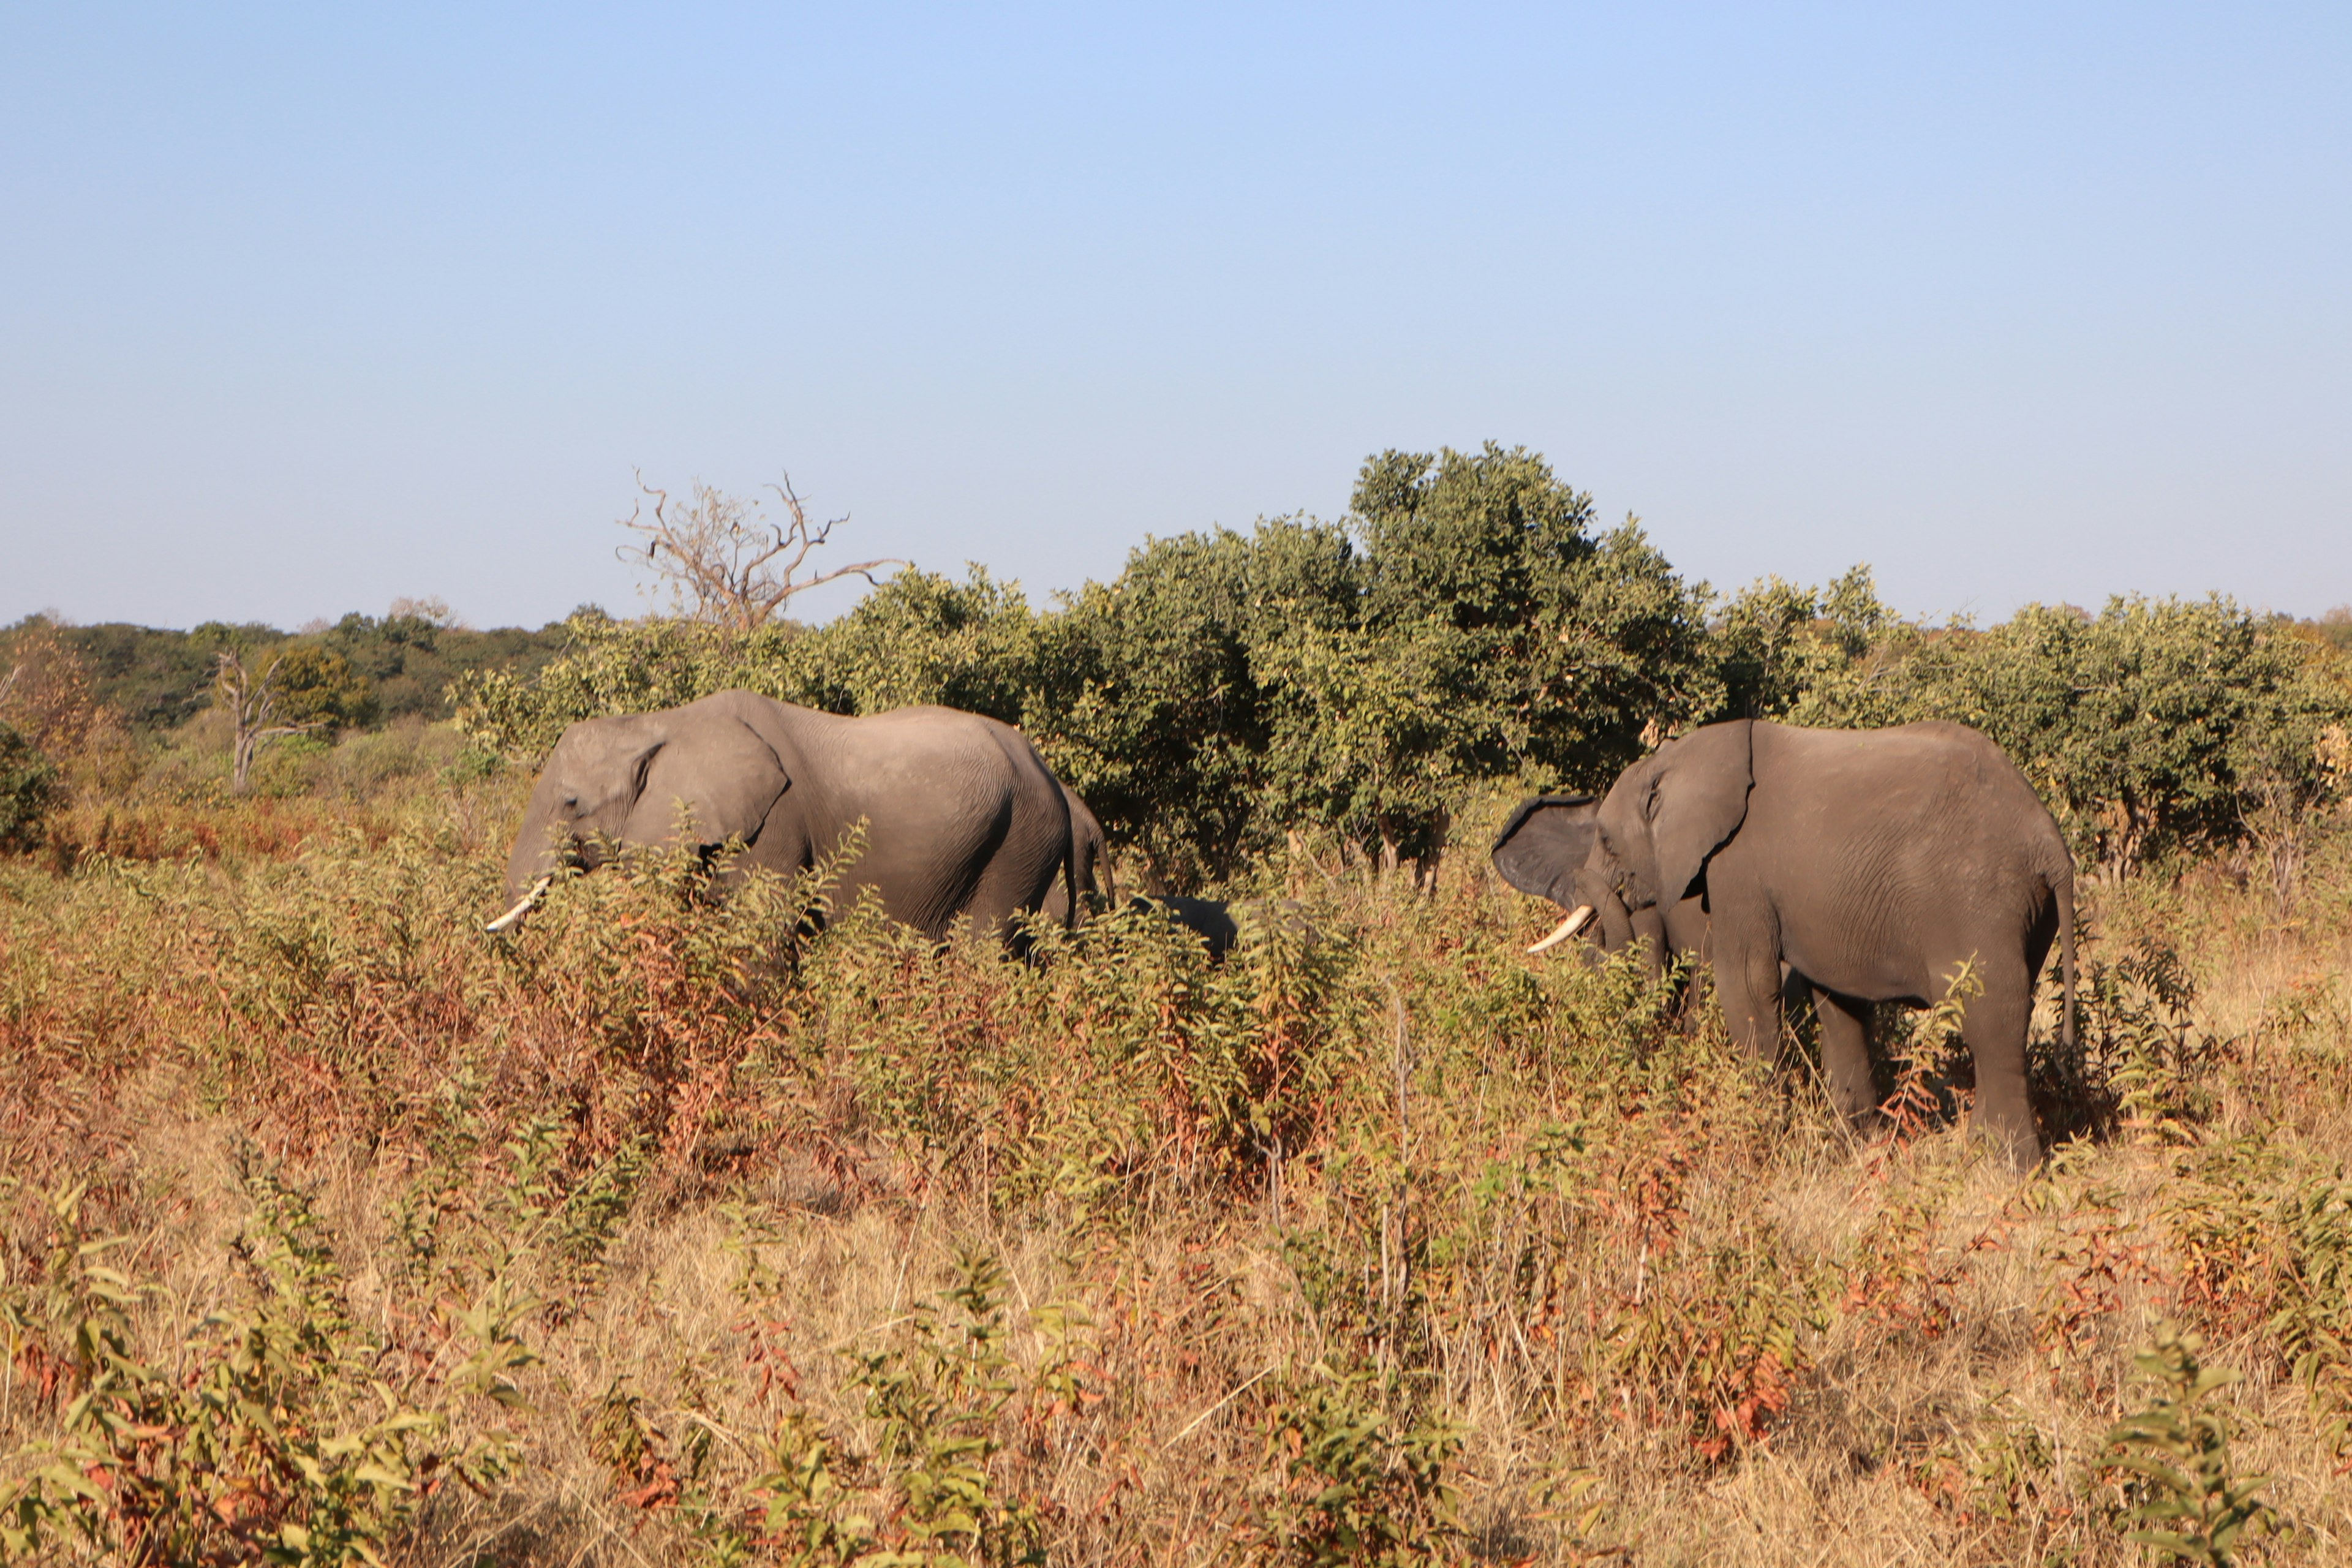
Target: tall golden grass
{"points": [[657, 1234]]}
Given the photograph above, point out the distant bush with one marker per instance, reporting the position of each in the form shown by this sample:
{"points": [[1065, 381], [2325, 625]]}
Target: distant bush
{"points": [[28, 788], [158, 678], [1467, 624], [2154, 726]]}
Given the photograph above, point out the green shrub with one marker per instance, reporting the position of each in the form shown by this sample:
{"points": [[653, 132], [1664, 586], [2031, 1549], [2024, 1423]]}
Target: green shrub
{"points": [[2156, 726], [2186, 1498], [268, 1436], [30, 788], [1365, 1477]]}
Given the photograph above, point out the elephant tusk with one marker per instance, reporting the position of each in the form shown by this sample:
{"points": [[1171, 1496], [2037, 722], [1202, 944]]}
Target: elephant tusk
{"points": [[1568, 928], [523, 906]]}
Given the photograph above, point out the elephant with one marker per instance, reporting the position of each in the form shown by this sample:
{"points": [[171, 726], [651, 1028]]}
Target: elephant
{"points": [[1871, 863], [1218, 923], [1211, 920], [1553, 829], [1086, 880], [961, 816]]}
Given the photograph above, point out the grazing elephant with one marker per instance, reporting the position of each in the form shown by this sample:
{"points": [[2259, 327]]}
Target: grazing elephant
{"points": [[1554, 830], [1211, 920], [1086, 880], [961, 816], [1871, 863], [1219, 923]]}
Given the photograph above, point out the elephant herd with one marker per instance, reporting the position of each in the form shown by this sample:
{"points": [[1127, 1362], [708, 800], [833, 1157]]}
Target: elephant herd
{"points": [[1861, 865]]}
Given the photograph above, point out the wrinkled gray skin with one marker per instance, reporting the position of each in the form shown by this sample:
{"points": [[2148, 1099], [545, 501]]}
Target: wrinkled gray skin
{"points": [[1086, 885], [1871, 863], [962, 818], [1212, 920], [1553, 829]]}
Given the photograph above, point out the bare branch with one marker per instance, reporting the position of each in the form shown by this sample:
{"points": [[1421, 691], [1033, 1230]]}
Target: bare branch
{"points": [[726, 564], [252, 707]]}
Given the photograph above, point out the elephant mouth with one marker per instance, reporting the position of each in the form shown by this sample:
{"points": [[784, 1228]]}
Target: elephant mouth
{"points": [[523, 906]]}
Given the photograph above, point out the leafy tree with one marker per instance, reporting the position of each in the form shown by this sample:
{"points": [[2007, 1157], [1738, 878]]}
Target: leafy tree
{"points": [[1148, 705], [291, 690], [1365, 733], [1622, 654], [44, 689], [319, 687], [920, 637], [1498, 637], [1779, 645]]}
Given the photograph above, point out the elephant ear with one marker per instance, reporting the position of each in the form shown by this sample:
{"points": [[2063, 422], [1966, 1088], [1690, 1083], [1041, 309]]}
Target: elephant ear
{"points": [[1540, 849], [715, 769], [1698, 798]]}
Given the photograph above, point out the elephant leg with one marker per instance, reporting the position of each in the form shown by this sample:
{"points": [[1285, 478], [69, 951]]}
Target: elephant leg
{"points": [[1020, 874], [1995, 1030], [1748, 986], [1844, 1028]]}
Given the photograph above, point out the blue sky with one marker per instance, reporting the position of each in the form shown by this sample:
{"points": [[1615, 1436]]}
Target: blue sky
{"points": [[304, 308]]}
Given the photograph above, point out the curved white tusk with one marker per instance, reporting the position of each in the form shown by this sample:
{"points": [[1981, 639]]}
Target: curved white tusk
{"points": [[522, 906], [1568, 928]]}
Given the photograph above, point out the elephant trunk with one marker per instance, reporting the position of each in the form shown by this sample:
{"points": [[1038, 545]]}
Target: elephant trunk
{"points": [[539, 848]]}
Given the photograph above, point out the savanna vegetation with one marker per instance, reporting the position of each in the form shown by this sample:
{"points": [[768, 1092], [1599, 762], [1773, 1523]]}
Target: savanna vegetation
{"points": [[662, 1232]]}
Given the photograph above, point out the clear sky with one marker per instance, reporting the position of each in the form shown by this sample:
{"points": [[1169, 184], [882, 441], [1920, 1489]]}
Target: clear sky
{"points": [[305, 307]]}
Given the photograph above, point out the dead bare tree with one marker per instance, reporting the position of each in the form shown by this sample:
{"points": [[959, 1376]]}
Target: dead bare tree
{"points": [[252, 704], [725, 560]]}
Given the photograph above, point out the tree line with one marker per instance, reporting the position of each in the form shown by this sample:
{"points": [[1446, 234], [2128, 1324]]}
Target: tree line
{"points": [[1470, 624]]}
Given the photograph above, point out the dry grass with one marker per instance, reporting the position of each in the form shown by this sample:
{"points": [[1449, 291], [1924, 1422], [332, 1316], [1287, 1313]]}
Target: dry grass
{"points": [[1384, 1228]]}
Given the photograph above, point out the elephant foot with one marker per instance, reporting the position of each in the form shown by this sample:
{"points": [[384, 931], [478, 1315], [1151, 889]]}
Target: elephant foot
{"points": [[2018, 1147], [1869, 1124]]}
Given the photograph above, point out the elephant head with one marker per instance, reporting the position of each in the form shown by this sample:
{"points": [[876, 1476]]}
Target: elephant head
{"points": [[1546, 849], [703, 772], [1629, 858]]}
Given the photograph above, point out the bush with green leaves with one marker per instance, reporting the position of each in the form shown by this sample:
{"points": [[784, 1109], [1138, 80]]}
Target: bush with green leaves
{"points": [[1467, 623], [2154, 726], [1366, 1477], [2186, 1498], [268, 1435], [29, 787]]}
